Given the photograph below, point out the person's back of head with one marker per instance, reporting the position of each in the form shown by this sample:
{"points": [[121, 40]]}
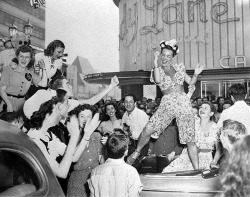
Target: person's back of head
{"points": [[56, 82], [231, 132], [14, 118], [237, 92], [117, 144], [46, 108], [9, 116], [235, 177]]}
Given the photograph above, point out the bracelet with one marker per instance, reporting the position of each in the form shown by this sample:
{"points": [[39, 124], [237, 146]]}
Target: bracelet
{"points": [[156, 67], [85, 139]]}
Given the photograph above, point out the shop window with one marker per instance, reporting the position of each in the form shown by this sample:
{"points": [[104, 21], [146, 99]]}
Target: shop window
{"points": [[149, 91], [214, 89], [17, 176]]}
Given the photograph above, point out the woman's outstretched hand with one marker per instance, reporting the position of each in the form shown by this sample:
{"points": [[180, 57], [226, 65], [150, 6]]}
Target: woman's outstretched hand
{"points": [[114, 81], [156, 54], [131, 159], [199, 68], [91, 126], [73, 126]]}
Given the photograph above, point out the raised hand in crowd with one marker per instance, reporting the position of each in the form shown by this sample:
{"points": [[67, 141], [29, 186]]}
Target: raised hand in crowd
{"points": [[114, 81]]}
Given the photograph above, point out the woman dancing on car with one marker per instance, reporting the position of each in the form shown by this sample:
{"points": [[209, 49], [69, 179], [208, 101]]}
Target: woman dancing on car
{"points": [[174, 104]]}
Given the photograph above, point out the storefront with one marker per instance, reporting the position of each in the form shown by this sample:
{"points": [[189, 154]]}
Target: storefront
{"points": [[214, 33]]}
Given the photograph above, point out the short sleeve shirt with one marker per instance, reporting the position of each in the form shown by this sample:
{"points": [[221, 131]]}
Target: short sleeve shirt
{"points": [[18, 83], [115, 178], [136, 121]]}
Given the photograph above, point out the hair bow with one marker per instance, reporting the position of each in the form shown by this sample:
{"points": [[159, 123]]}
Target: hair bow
{"points": [[172, 43]]}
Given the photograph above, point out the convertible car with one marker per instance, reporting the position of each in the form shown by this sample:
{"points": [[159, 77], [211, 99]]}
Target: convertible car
{"points": [[24, 171], [202, 183], [186, 183]]}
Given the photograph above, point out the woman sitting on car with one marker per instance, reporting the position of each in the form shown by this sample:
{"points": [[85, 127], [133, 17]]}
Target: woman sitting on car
{"points": [[206, 138], [49, 114]]}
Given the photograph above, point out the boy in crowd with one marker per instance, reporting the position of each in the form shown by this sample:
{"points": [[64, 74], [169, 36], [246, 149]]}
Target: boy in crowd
{"points": [[115, 177]]}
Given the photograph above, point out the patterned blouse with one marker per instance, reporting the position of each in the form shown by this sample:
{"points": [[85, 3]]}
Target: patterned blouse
{"points": [[167, 81], [205, 142]]}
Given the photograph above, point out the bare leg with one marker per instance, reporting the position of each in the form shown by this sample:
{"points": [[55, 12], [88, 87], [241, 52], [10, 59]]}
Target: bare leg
{"points": [[143, 140], [193, 154]]}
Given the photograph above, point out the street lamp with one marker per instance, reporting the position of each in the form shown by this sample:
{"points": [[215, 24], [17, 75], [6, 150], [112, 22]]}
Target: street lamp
{"points": [[28, 30], [12, 30]]}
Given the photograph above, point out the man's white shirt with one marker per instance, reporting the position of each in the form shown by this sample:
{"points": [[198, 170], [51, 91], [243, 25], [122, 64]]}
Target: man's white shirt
{"points": [[240, 112], [136, 120]]}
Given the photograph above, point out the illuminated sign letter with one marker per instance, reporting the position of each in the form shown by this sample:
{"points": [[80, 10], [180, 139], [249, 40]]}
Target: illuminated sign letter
{"points": [[221, 61], [147, 29], [217, 11], [202, 10], [237, 60], [131, 25], [178, 7]]}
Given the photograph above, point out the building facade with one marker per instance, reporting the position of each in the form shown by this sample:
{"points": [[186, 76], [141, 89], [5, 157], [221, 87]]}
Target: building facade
{"points": [[210, 32], [19, 12]]}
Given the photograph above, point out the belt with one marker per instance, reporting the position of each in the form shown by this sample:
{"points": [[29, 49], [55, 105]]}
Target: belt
{"points": [[204, 150], [15, 96]]}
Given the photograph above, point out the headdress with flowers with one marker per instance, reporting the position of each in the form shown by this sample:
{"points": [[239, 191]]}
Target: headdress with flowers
{"points": [[172, 43]]}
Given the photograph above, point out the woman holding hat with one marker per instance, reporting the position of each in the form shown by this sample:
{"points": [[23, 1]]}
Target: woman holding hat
{"points": [[174, 103]]}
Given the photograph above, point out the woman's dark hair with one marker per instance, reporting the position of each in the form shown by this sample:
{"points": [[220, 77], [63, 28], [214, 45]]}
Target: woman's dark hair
{"points": [[27, 49], [56, 82], [212, 108], [81, 108], [49, 51], [235, 178], [37, 118], [169, 48], [117, 144], [117, 113]]}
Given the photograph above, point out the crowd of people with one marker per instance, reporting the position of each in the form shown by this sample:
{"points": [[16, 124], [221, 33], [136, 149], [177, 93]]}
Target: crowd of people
{"points": [[90, 143]]}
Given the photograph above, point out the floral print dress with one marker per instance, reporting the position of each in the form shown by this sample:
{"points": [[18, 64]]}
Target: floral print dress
{"points": [[205, 142]]}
